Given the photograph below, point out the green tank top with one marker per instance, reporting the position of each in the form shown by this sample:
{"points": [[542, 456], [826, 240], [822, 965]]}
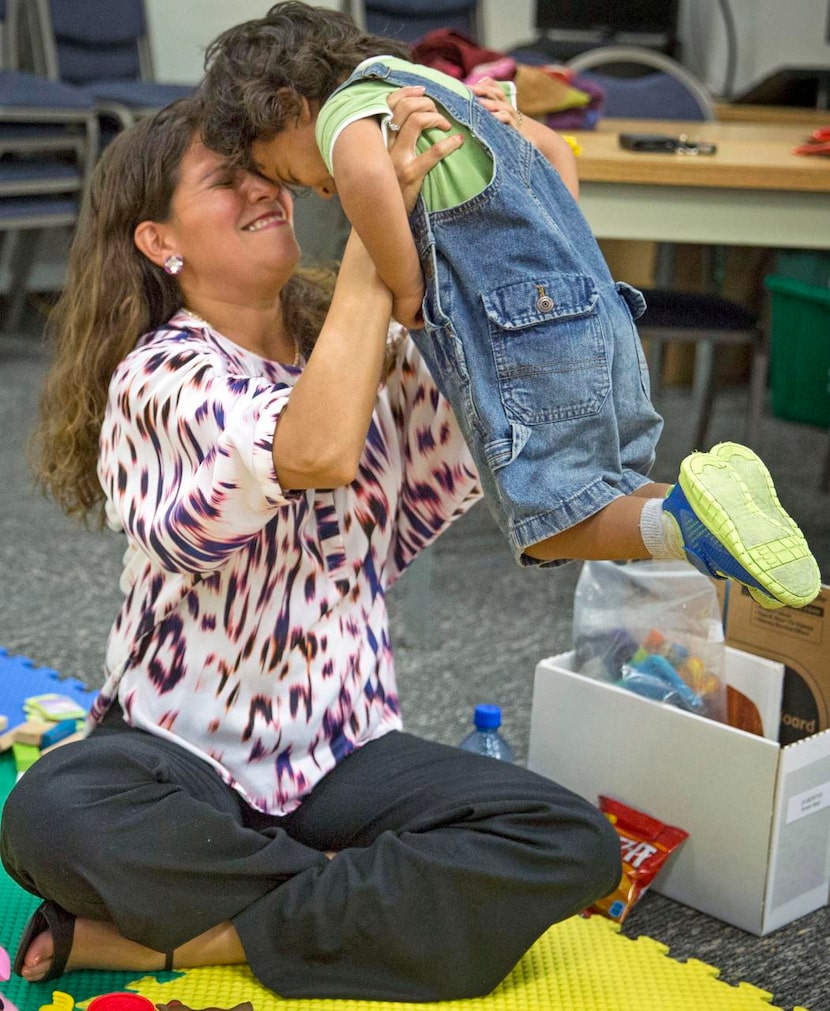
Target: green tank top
{"points": [[461, 175]]}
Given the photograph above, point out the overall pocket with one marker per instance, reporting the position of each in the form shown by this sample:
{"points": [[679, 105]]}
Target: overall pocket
{"points": [[549, 348]]}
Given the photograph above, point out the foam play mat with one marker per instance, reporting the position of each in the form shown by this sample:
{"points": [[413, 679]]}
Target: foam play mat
{"points": [[579, 965], [20, 679]]}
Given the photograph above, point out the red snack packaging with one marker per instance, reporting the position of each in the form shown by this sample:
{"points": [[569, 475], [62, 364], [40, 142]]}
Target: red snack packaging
{"points": [[646, 844]]}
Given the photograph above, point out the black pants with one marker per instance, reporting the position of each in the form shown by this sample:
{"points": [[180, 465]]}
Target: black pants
{"points": [[449, 866]]}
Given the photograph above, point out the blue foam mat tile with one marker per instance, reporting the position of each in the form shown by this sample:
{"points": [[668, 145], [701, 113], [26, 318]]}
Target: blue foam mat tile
{"points": [[20, 679]]}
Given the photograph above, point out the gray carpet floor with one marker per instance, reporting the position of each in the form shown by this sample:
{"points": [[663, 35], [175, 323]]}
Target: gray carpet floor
{"points": [[469, 627]]}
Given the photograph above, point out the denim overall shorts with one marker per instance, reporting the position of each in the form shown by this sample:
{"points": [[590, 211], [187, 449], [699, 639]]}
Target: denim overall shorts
{"points": [[530, 339]]}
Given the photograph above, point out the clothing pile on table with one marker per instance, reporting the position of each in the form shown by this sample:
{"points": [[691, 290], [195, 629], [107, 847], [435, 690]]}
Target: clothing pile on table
{"points": [[550, 92]]}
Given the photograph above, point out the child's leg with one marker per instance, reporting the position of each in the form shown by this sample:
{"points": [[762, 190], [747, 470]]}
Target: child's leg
{"points": [[723, 515], [612, 534]]}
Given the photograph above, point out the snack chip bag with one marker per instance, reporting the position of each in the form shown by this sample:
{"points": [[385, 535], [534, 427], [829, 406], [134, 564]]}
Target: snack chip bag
{"points": [[646, 844]]}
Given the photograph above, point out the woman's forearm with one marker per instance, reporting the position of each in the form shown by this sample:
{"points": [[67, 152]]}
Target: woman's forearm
{"points": [[322, 431]]}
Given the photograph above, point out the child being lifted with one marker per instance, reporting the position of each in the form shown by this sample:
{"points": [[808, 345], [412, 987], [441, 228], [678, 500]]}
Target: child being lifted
{"points": [[508, 297]]}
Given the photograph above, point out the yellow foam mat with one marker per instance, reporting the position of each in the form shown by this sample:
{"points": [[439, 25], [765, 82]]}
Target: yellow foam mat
{"points": [[578, 965]]}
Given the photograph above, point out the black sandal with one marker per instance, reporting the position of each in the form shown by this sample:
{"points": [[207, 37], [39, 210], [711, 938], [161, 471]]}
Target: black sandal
{"points": [[60, 924]]}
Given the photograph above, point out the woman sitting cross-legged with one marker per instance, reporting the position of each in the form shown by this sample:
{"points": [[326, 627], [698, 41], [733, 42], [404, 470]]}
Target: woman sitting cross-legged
{"points": [[276, 454]]}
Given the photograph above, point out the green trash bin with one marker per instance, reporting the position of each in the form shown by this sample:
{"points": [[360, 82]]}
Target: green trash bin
{"points": [[800, 350], [809, 265]]}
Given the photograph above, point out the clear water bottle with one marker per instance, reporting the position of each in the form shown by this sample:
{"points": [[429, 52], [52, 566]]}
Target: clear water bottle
{"points": [[486, 739]]}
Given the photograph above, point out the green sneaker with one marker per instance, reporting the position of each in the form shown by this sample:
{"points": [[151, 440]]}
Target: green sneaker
{"points": [[733, 527]]}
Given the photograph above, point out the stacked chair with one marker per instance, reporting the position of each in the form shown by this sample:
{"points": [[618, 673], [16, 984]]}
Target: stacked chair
{"points": [[101, 46], [411, 20], [48, 144], [74, 72]]}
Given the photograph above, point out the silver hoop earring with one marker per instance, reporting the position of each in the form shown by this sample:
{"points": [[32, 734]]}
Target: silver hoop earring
{"points": [[173, 264]]}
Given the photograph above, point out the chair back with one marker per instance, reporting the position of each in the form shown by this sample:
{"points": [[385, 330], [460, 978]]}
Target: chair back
{"points": [[8, 34], [412, 19], [85, 41], [662, 88], [49, 139]]}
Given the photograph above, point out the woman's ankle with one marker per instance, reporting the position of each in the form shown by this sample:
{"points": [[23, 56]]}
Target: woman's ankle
{"points": [[220, 945]]}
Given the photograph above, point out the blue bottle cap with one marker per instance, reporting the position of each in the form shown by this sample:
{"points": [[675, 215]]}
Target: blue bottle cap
{"points": [[487, 717]]}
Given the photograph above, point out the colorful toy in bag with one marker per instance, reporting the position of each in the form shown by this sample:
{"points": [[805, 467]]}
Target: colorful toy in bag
{"points": [[645, 844], [653, 628], [664, 670]]}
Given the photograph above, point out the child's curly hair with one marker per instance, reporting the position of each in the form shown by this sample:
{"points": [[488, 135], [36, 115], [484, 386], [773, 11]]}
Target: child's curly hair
{"points": [[257, 73]]}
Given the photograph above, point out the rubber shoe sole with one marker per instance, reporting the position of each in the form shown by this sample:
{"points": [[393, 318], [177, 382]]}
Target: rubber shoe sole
{"points": [[757, 478], [732, 494]]}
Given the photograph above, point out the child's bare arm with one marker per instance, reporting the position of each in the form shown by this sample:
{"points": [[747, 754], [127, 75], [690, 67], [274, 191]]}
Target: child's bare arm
{"points": [[372, 201], [557, 151]]}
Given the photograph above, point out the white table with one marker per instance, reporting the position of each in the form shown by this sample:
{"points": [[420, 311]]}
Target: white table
{"points": [[752, 192]]}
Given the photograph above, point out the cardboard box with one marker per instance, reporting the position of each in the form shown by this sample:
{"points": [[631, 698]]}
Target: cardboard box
{"points": [[800, 639], [757, 814]]}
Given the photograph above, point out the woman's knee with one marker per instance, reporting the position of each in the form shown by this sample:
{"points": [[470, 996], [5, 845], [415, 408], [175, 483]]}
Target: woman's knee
{"points": [[566, 839], [42, 816], [574, 849], [570, 858], [604, 857]]}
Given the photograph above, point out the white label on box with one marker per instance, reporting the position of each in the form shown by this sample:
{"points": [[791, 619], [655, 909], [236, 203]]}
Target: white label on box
{"points": [[808, 802]]}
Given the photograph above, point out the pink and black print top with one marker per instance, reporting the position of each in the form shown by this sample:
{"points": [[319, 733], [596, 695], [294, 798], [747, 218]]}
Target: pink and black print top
{"points": [[254, 630]]}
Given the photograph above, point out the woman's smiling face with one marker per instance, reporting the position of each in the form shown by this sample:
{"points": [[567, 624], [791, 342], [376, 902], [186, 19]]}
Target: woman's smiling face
{"points": [[230, 223]]}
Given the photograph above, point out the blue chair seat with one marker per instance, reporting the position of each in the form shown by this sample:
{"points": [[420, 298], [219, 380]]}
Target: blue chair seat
{"points": [[140, 94], [47, 180], [35, 94], [710, 322], [694, 310], [654, 96], [27, 212]]}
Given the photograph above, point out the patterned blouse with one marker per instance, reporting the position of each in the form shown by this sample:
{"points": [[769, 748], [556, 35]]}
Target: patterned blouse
{"points": [[254, 629]]}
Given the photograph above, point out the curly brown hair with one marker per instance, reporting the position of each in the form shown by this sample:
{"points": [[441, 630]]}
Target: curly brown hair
{"points": [[113, 295], [258, 73]]}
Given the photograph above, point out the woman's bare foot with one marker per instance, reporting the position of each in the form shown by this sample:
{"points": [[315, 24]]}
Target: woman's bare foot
{"points": [[98, 945], [95, 945]]}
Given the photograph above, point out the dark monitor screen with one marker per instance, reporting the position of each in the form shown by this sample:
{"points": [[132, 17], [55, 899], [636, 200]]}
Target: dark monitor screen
{"points": [[651, 17]]}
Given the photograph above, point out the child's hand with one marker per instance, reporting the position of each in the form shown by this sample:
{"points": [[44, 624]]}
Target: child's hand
{"points": [[558, 151], [413, 112], [493, 97]]}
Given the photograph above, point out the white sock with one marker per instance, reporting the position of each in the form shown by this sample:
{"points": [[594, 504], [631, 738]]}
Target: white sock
{"points": [[660, 532]]}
